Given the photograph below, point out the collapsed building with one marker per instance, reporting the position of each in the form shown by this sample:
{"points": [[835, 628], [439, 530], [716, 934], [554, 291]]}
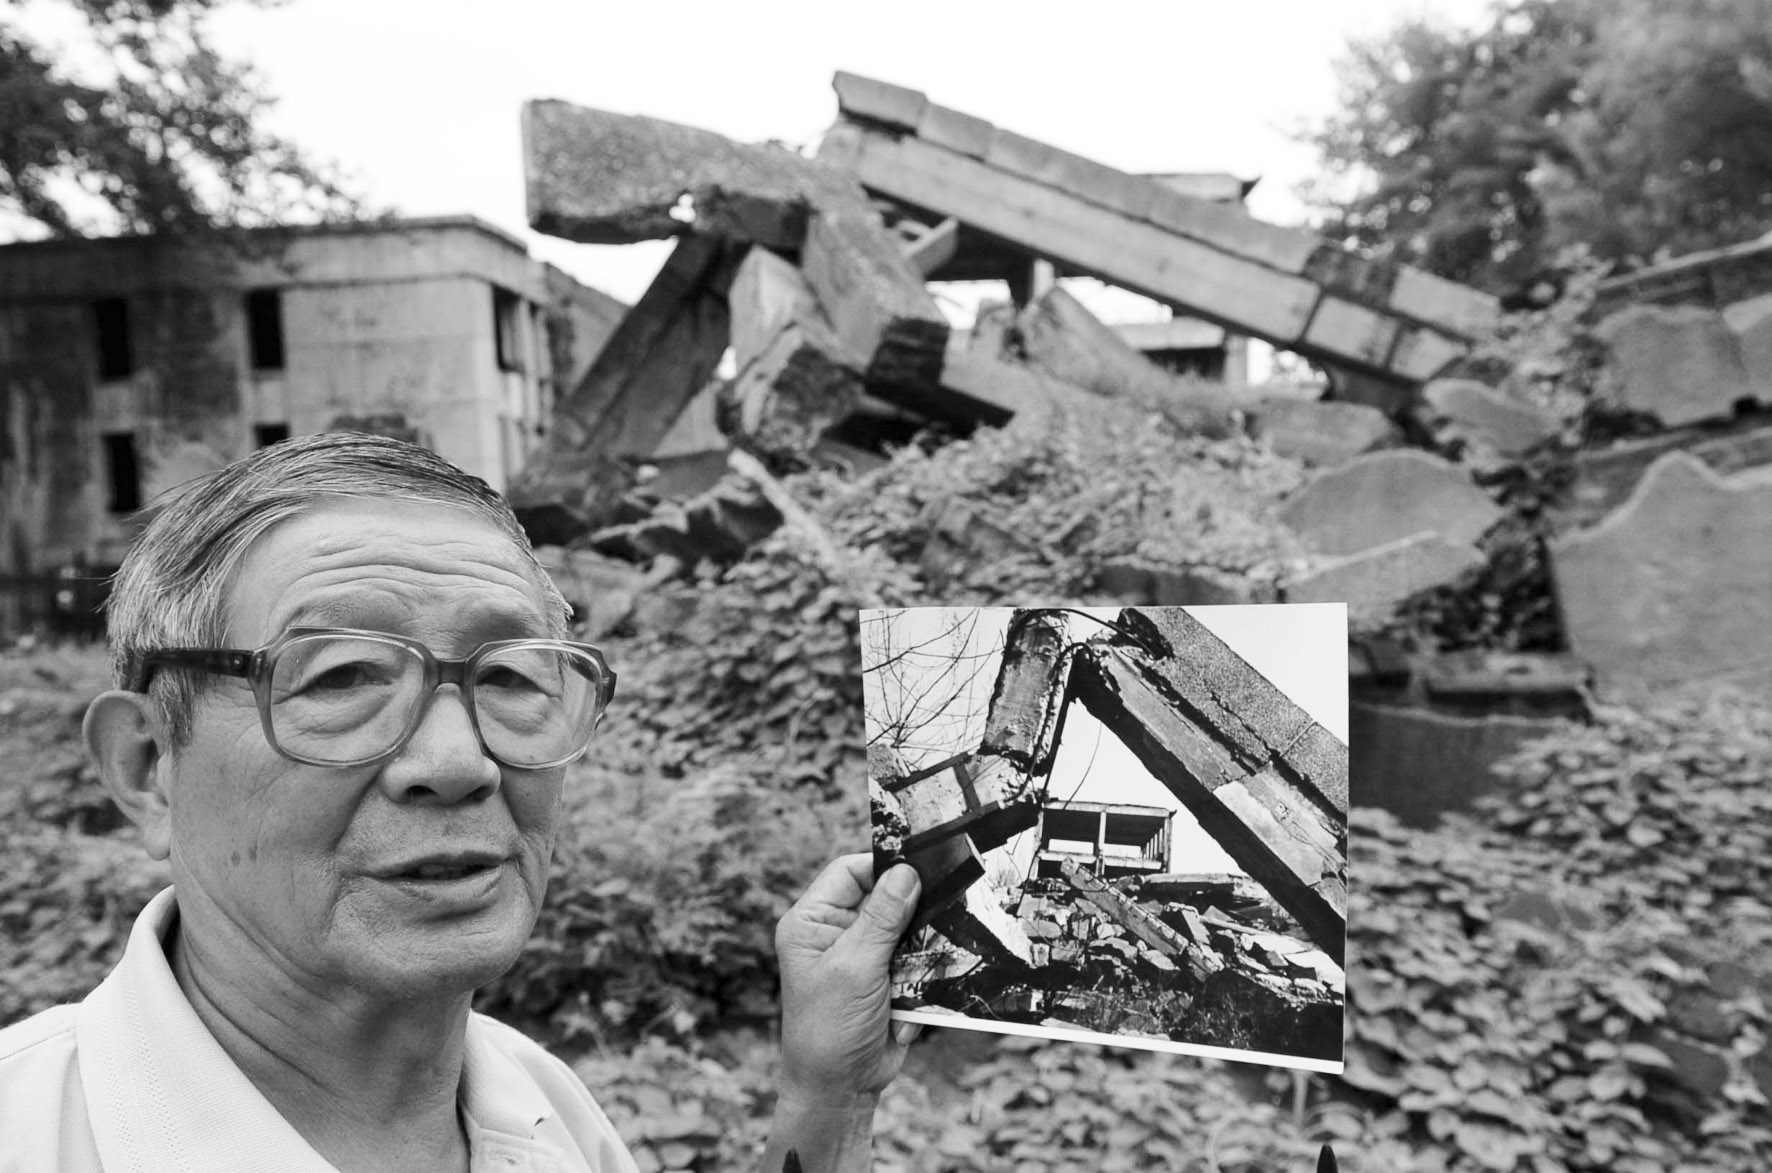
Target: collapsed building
{"points": [[808, 278], [1116, 942]]}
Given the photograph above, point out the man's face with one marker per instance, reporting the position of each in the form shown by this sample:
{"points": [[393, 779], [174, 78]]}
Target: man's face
{"points": [[420, 875]]}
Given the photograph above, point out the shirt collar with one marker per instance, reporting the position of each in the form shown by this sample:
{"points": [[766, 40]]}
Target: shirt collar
{"points": [[497, 1095]]}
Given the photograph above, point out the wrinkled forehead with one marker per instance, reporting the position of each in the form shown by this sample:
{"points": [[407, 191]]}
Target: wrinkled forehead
{"points": [[421, 568]]}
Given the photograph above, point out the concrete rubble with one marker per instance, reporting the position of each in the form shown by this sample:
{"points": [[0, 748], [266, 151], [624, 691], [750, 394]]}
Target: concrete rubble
{"points": [[1677, 363], [1385, 497], [813, 272], [1672, 586], [808, 276]]}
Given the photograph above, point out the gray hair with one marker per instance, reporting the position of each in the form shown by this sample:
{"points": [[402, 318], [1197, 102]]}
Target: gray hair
{"points": [[173, 586]]}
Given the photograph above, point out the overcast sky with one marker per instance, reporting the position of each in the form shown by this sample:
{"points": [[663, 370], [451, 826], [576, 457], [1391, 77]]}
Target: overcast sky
{"points": [[418, 100]]}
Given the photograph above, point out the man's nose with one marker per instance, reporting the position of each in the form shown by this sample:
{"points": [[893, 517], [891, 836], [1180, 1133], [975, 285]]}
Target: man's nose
{"points": [[443, 763]]}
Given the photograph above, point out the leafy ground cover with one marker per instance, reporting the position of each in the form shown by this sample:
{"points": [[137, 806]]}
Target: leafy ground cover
{"points": [[1574, 979]]}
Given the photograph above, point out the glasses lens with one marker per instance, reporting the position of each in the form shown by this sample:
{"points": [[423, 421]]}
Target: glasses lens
{"points": [[343, 698], [537, 704]]}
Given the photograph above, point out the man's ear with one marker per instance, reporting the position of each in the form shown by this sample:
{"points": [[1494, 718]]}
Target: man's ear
{"points": [[128, 741]]}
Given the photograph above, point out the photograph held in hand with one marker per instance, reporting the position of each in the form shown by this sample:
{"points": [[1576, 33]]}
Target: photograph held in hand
{"points": [[1130, 824]]}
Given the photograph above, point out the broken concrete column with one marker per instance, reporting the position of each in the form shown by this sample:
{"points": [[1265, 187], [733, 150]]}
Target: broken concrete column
{"points": [[874, 299], [662, 354], [794, 377], [1028, 690], [1384, 497]]}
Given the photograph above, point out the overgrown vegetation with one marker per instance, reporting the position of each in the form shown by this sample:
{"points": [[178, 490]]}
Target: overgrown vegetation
{"points": [[1575, 979]]}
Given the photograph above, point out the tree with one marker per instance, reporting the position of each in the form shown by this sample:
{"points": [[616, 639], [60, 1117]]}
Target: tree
{"points": [[150, 129], [927, 675], [1637, 128]]}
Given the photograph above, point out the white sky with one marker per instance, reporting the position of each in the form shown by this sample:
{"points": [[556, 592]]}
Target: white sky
{"points": [[418, 99], [1301, 648]]}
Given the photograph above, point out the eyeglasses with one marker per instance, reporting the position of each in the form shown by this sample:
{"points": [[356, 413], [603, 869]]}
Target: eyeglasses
{"points": [[341, 697]]}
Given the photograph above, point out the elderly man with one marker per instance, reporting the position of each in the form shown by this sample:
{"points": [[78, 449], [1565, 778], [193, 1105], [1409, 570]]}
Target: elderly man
{"points": [[346, 710]]}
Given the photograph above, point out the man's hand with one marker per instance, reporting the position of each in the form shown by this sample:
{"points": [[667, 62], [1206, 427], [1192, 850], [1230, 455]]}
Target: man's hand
{"points": [[835, 947]]}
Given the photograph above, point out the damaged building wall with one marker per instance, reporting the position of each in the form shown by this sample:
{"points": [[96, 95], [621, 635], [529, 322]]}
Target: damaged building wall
{"points": [[129, 365]]}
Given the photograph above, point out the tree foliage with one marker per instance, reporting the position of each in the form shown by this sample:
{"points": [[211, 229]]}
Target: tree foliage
{"points": [[1638, 128], [140, 124]]}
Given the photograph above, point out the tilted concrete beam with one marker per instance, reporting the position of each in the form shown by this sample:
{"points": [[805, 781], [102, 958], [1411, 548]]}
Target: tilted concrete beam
{"points": [[1278, 810]]}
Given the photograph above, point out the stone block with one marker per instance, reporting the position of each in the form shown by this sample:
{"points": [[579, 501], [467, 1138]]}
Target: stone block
{"points": [[1321, 432], [1672, 587], [1482, 417], [1419, 764], [1679, 363], [1383, 497], [1750, 320], [1374, 581], [1605, 479]]}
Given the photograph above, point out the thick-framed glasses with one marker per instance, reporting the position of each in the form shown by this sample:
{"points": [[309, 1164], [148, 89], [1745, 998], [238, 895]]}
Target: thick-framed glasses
{"points": [[331, 696]]}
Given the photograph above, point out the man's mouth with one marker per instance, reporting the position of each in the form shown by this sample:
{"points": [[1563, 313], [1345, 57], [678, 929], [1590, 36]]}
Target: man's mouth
{"points": [[444, 871], [452, 866]]}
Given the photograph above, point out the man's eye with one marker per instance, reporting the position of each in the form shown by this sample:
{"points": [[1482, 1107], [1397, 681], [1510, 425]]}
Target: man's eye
{"points": [[506, 678], [340, 677]]}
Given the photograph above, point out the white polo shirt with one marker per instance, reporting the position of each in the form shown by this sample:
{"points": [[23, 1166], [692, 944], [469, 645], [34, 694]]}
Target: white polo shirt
{"points": [[131, 1081]]}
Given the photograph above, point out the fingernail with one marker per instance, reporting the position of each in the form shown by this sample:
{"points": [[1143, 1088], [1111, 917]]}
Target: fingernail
{"points": [[900, 881]]}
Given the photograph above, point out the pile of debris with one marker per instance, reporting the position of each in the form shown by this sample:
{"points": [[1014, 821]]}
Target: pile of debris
{"points": [[813, 272], [1157, 956], [793, 327]]}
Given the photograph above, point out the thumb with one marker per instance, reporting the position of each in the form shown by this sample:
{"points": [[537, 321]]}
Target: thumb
{"points": [[887, 911]]}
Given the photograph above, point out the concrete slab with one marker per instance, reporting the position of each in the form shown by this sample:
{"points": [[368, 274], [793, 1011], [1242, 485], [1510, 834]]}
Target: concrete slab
{"points": [[1323, 433], [1750, 320], [1374, 581], [1479, 415], [1605, 479], [1678, 363], [1384, 497], [1420, 764], [1673, 586]]}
